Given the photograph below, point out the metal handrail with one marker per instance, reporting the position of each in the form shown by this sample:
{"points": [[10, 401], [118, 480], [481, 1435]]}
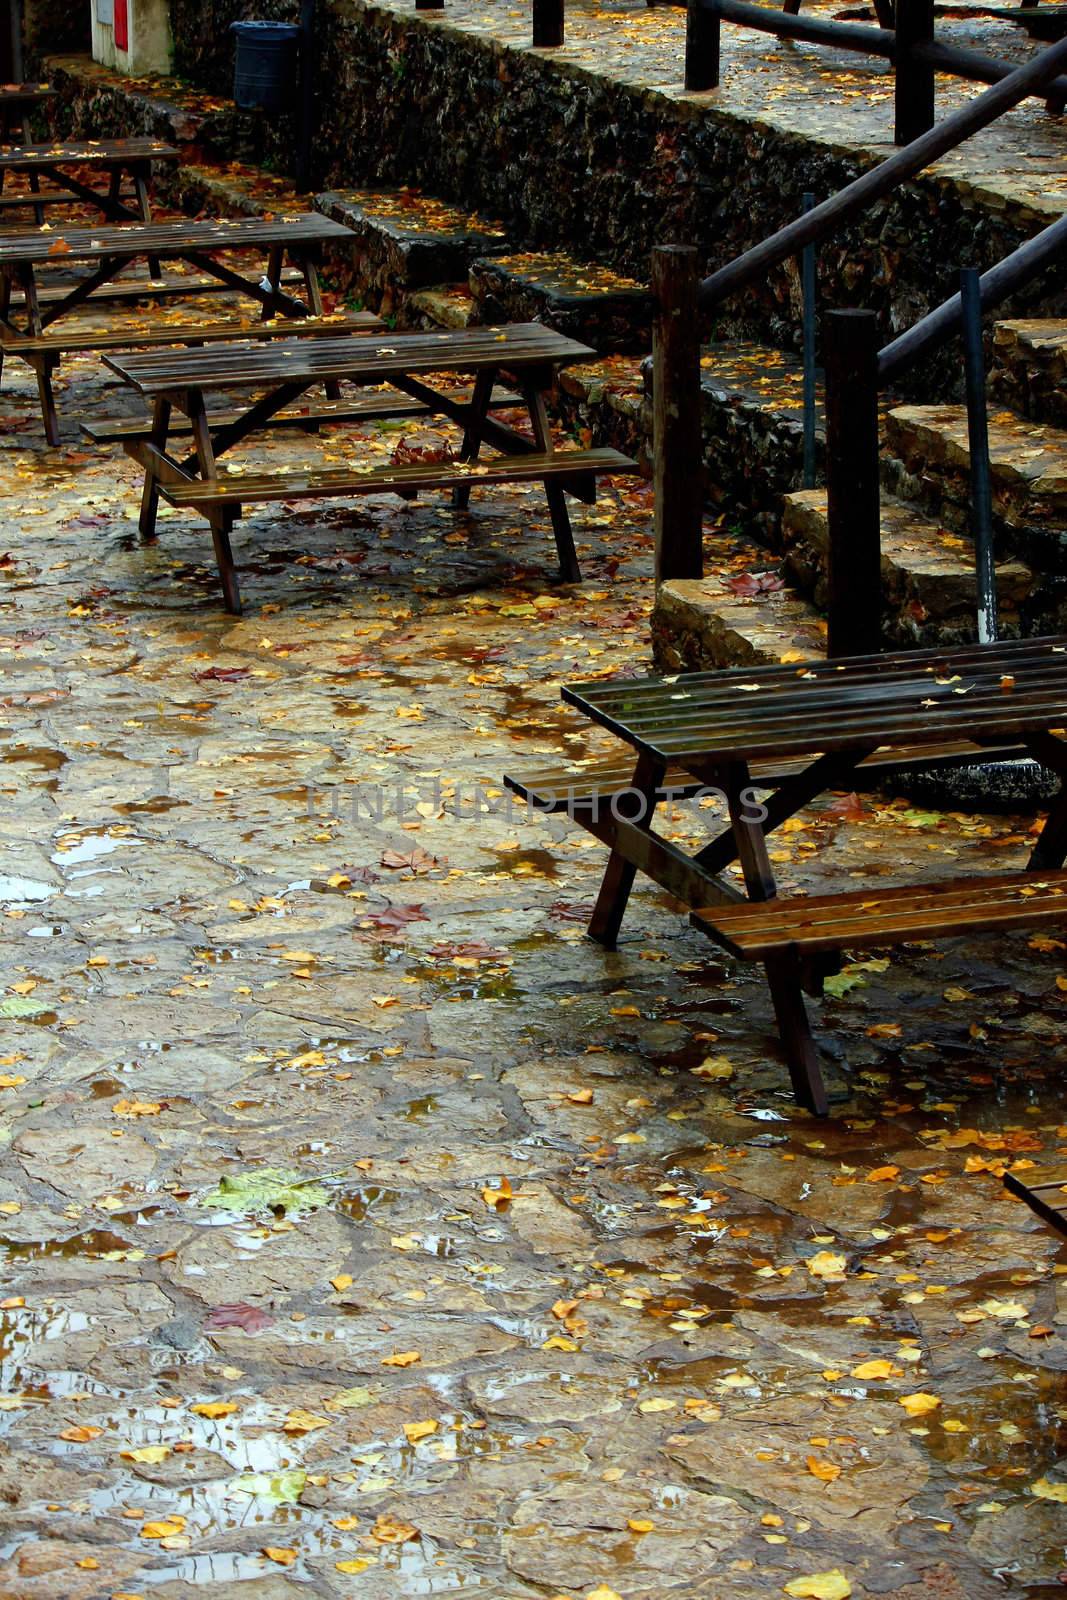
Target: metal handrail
{"points": [[1014, 272], [880, 181]]}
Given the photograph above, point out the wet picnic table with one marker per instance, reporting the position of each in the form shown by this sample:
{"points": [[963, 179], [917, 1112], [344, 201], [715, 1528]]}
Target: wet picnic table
{"points": [[114, 159], [106, 252], [770, 740]]}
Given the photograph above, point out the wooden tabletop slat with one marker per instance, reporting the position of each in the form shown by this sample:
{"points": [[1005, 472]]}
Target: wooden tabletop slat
{"points": [[75, 337], [1042, 1193], [90, 152], [373, 361], [992, 691], [17, 94], [166, 239]]}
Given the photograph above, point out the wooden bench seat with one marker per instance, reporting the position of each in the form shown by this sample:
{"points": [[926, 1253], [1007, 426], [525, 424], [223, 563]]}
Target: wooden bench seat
{"points": [[758, 930], [575, 470], [1045, 1191], [793, 937], [556, 789], [375, 407], [124, 290], [58, 344]]}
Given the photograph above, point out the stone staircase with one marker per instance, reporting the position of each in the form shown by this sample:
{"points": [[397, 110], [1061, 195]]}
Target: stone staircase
{"points": [[927, 553]]}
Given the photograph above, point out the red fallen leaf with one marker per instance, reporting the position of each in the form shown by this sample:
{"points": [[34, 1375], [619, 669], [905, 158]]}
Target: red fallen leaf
{"points": [[238, 1314], [566, 911], [417, 860], [59, 247], [468, 949], [222, 674], [289, 649], [393, 918], [361, 874], [847, 808], [493, 652], [7, 561], [755, 583], [424, 454], [355, 661]]}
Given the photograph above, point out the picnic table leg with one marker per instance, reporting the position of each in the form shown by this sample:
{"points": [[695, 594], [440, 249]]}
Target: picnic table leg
{"points": [[221, 521], [150, 494], [275, 258], [5, 304], [309, 268], [472, 434], [43, 365], [569, 569], [783, 972], [619, 873], [144, 206]]}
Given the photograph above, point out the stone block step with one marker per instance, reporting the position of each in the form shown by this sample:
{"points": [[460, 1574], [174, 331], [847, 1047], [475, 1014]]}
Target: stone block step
{"points": [[1029, 370], [407, 241], [593, 304], [445, 305], [929, 460], [928, 575], [705, 622]]}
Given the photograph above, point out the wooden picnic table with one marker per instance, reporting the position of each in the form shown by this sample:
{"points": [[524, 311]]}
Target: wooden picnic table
{"points": [[408, 364], [107, 251], [773, 739], [115, 158], [17, 100]]}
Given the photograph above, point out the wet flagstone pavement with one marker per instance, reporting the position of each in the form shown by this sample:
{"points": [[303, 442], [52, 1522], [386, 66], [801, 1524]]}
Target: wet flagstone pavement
{"points": [[547, 1289]]}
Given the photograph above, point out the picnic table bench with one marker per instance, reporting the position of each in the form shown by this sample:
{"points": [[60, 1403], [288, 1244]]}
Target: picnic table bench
{"points": [[792, 734], [529, 354], [1045, 1191], [108, 251], [116, 158]]}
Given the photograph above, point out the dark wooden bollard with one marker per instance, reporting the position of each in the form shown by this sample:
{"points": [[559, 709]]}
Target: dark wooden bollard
{"points": [[547, 24], [429, 5], [677, 444], [701, 46], [850, 355], [914, 76]]}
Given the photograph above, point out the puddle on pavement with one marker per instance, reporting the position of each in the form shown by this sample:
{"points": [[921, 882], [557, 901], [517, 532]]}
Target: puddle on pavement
{"points": [[155, 806], [87, 847], [532, 863], [23, 891], [359, 1203], [44, 758]]}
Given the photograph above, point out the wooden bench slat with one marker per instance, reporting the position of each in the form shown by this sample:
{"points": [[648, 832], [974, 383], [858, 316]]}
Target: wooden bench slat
{"points": [[756, 930], [612, 775], [366, 408], [359, 322], [128, 289], [256, 488], [1044, 1197]]}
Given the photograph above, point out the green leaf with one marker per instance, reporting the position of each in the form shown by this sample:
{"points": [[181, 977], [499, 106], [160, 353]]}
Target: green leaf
{"points": [[18, 1005], [839, 983], [266, 1189], [280, 1488]]}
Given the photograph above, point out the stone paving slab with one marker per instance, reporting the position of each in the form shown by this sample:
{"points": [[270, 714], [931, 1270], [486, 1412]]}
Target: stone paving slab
{"points": [[366, 1231]]}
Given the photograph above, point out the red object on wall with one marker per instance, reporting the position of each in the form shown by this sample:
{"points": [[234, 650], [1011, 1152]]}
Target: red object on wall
{"points": [[122, 25]]}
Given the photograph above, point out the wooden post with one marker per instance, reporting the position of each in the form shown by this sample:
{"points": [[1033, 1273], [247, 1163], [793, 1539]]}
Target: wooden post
{"points": [[547, 24], [914, 76], [429, 5], [677, 443], [701, 46], [850, 356]]}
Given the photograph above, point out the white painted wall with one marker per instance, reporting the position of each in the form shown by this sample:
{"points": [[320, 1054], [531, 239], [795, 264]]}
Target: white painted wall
{"points": [[150, 47]]}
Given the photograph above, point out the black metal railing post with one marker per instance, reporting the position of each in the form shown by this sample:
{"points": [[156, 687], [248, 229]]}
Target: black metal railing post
{"points": [[702, 40], [854, 558], [808, 335], [978, 446], [914, 74], [547, 24], [305, 165], [677, 443]]}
